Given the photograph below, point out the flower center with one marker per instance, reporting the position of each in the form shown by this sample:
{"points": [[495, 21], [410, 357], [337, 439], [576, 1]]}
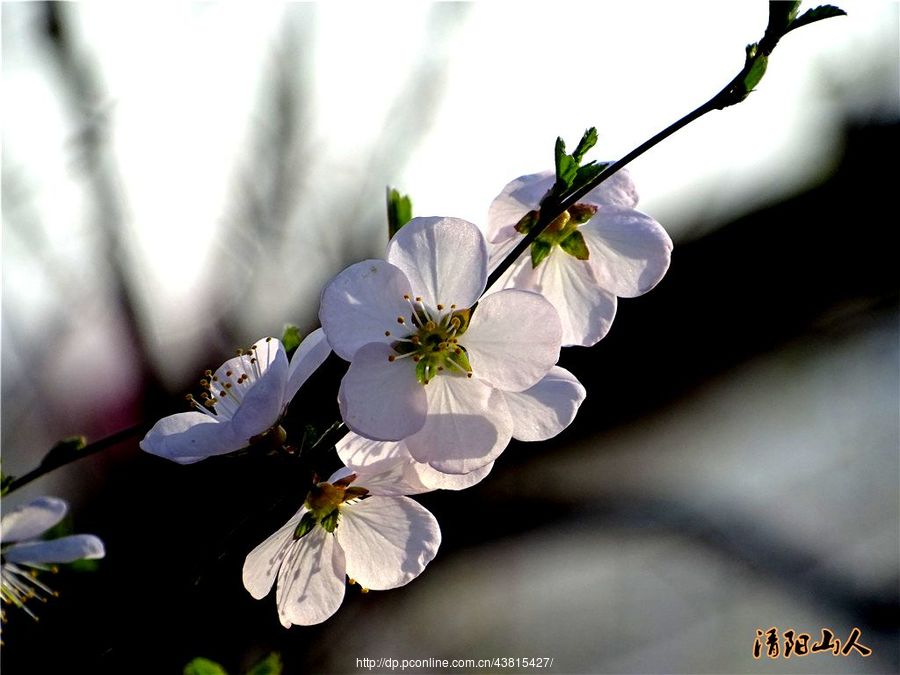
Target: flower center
{"points": [[324, 503], [19, 585], [224, 390], [562, 232], [433, 343]]}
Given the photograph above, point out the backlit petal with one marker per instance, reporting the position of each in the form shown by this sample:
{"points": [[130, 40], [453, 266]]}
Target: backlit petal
{"points": [[513, 339], [388, 541], [467, 426], [445, 260], [191, 436], [379, 399], [262, 563], [629, 251], [311, 580], [547, 408], [363, 302], [310, 354], [262, 403], [62, 550], [586, 311], [32, 519]]}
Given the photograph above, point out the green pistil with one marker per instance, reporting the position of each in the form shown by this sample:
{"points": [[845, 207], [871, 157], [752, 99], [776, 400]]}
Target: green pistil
{"points": [[434, 347], [562, 232]]}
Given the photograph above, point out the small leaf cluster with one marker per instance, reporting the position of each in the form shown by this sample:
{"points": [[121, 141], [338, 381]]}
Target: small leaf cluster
{"points": [[571, 174], [783, 19], [399, 211], [270, 665]]}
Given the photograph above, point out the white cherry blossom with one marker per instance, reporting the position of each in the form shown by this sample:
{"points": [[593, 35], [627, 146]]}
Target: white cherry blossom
{"points": [[538, 413], [244, 400], [23, 553], [428, 366], [627, 251], [356, 524]]}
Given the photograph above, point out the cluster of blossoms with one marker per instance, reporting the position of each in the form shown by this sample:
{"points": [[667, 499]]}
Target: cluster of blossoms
{"points": [[443, 373], [24, 555]]}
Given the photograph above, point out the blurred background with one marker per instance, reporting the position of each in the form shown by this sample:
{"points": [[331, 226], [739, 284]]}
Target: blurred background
{"points": [[180, 179]]}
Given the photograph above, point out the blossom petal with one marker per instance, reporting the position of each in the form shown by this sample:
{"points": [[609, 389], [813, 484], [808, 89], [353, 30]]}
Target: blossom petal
{"points": [[263, 402], [468, 426], [388, 541], [262, 563], [310, 354], [362, 303], [513, 339], [524, 194], [435, 479], [547, 408], [629, 251], [445, 260], [380, 399], [311, 580], [585, 310], [189, 437], [390, 473], [617, 190], [62, 550], [361, 453], [32, 519]]}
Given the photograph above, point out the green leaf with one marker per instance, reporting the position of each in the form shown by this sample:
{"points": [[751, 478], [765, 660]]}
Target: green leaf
{"points": [[816, 14], [588, 141], [588, 172], [539, 251], [291, 338], [575, 245], [399, 211], [201, 666], [271, 665], [566, 167]]}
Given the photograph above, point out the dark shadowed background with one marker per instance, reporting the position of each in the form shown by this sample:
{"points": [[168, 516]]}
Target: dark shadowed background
{"points": [[181, 179]]}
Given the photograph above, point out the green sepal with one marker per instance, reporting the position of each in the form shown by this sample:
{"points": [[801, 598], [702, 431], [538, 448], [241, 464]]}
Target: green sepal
{"points": [[460, 361], [399, 211], [291, 338], [526, 222], [464, 316], [579, 214], [330, 520], [423, 368], [201, 666], [271, 665], [539, 251], [305, 526], [575, 246]]}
